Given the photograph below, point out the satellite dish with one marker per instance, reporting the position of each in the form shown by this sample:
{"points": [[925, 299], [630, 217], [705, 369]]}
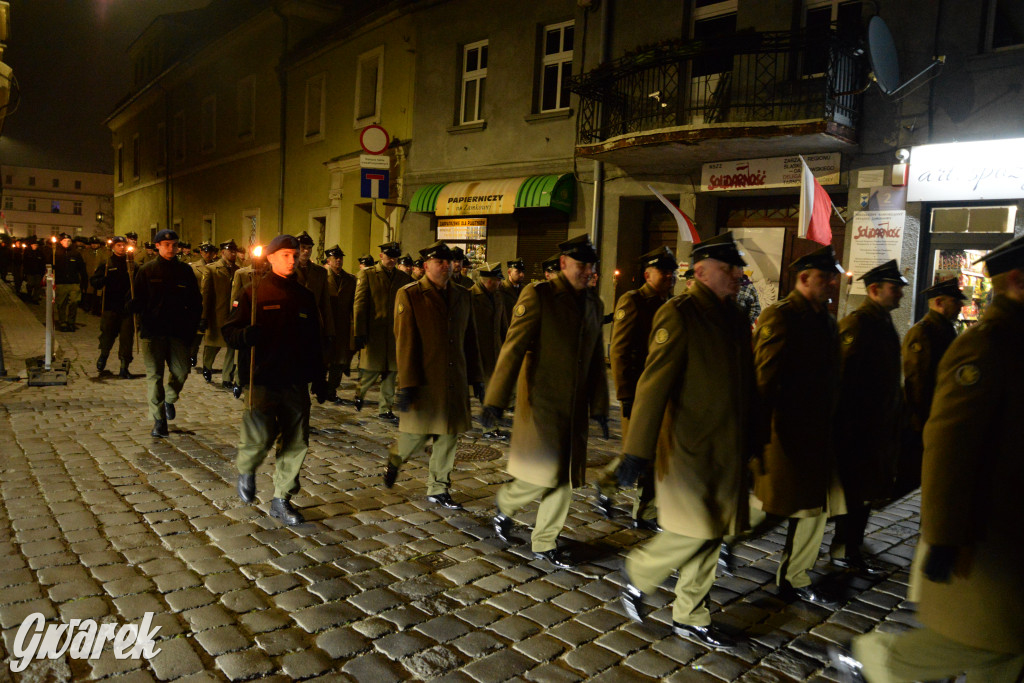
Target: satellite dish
{"points": [[885, 63]]}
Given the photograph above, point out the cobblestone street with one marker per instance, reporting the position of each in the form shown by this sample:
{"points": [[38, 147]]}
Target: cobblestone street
{"points": [[100, 520]]}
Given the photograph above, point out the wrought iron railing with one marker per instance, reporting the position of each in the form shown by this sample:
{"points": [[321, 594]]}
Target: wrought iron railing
{"points": [[739, 78]]}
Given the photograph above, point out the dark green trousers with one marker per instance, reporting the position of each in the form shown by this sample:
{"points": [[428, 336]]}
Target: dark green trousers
{"points": [[387, 387], [120, 326], [442, 457], [229, 373], [281, 415], [161, 353]]}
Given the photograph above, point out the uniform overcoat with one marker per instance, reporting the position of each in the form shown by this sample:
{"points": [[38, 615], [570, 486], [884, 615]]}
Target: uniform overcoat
{"points": [[631, 330], [374, 316], [973, 476], [491, 325], [923, 348], [870, 403], [510, 294], [694, 412], [555, 348], [437, 354], [216, 288], [342, 289], [314, 278], [796, 357]]}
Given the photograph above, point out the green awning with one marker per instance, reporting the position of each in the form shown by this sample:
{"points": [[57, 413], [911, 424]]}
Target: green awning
{"points": [[490, 196]]}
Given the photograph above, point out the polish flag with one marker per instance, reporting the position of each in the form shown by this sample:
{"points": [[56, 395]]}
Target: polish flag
{"points": [[687, 230], [815, 209]]}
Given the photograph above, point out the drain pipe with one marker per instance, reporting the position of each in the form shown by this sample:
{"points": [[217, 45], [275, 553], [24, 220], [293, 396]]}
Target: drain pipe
{"points": [[282, 80], [604, 28]]}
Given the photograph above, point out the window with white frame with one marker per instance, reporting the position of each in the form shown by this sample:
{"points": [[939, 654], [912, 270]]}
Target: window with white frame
{"points": [[136, 153], [179, 136], [1004, 25], [247, 107], [315, 96], [474, 78], [556, 68], [208, 124], [369, 87]]}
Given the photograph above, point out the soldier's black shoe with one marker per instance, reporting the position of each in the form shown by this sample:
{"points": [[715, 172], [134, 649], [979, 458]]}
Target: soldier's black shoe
{"points": [[390, 476], [850, 670], [726, 560], [159, 429], [208, 375], [169, 411], [236, 391], [281, 509], [227, 385], [445, 501], [708, 635], [633, 602], [101, 363], [358, 402], [603, 504], [555, 557], [646, 525], [389, 416], [859, 563], [810, 594], [124, 374], [247, 487], [503, 527], [192, 361]]}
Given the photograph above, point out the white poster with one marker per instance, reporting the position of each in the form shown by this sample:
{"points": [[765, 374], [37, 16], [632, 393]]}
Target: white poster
{"points": [[762, 250], [877, 238], [745, 174]]}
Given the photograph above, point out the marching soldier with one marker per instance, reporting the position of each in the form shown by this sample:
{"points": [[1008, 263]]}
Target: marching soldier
{"points": [[113, 280], [147, 255], [699, 382], [867, 450], [93, 258], [417, 269], [285, 339], [490, 316], [967, 579], [405, 265], [366, 262], [438, 361], [32, 268], [512, 285], [631, 330], [552, 267], [923, 348], [314, 278], [374, 328], [70, 277], [554, 348], [216, 309], [458, 264], [796, 357], [207, 255], [169, 305], [342, 287]]}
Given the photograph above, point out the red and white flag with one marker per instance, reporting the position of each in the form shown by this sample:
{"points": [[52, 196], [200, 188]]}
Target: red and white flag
{"points": [[815, 209], [687, 230]]}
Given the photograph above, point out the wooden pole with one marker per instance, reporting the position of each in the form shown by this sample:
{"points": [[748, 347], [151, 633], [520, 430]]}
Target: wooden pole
{"points": [[257, 251]]}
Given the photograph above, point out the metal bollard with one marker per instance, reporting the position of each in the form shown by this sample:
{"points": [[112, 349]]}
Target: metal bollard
{"points": [[51, 290]]}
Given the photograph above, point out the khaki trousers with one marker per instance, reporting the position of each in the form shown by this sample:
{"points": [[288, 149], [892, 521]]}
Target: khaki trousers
{"points": [[803, 542], [551, 514], [230, 371], [157, 353], [387, 387], [924, 655], [442, 457], [67, 298], [119, 326], [279, 414], [694, 558], [644, 506]]}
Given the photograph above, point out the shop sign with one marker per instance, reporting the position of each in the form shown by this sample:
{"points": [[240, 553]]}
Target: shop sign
{"points": [[877, 238], [771, 172], [991, 169], [478, 197], [461, 229]]}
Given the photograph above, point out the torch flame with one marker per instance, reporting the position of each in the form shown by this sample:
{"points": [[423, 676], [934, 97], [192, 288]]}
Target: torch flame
{"points": [[257, 251], [131, 248], [54, 239]]}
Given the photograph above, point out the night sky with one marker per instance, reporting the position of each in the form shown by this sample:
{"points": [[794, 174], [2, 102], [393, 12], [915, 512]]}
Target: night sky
{"points": [[70, 59]]}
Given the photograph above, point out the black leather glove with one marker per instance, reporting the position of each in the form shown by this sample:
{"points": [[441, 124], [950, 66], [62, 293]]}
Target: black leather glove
{"points": [[203, 324], [359, 342], [627, 407], [939, 563], [603, 421], [489, 418], [320, 390], [251, 335], [404, 398], [630, 469], [478, 391]]}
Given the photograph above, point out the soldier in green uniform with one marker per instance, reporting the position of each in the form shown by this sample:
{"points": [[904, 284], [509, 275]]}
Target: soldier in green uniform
{"points": [[867, 450], [93, 258], [207, 255], [458, 265], [216, 309], [70, 277], [417, 269], [169, 305], [313, 277], [491, 319], [923, 348], [695, 405], [374, 328], [366, 262], [405, 264], [113, 280], [796, 356], [966, 577], [554, 350], [512, 285], [31, 268], [631, 330], [342, 288], [551, 267], [438, 360], [285, 339]]}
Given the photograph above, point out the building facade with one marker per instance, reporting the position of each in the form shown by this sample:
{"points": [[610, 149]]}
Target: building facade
{"points": [[44, 202]]}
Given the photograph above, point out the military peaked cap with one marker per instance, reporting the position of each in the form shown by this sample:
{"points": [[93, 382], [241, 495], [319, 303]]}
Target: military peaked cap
{"points": [[304, 238], [949, 287], [117, 238], [438, 250], [552, 265], [490, 269], [334, 251], [579, 248], [367, 260], [131, 235], [661, 258], [516, 263], [721, 248], [207, 247], [406, 260], [819, 259], [230, 244], [391, 249], [886, 272], [1007, 256]]}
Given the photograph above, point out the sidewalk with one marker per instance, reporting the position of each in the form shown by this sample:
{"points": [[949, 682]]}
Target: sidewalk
{"points": [[23, 332], [98, 520]]}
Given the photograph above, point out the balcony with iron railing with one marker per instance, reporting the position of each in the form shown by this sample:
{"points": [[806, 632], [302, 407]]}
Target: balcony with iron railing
{"points": [[743, 94]]}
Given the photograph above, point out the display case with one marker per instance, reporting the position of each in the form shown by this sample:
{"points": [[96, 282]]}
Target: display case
{"points": [[959, 263]]}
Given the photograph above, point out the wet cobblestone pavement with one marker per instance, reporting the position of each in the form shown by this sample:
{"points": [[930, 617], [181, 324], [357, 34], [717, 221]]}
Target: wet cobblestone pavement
{"points": [[99, 520]]}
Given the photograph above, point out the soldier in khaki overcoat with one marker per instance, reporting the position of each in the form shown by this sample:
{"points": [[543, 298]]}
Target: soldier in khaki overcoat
{"points": [[314, 278], [923, 348], [867, 449], [438, 360], [374, 327], [216, 309], [512, 285], [207, 255], [966, 578], [631, 331], [459, 262], [490, 315], [694, 414], [342, 287], [555, 350], [796, 356]]}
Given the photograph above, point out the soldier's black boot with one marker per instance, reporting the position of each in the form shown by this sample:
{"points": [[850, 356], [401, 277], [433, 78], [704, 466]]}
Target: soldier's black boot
{"points": [[124, 374], [236, 391], [160, 429], [101, 362], [282, 509], [502, 526], [208, 375], [247, 487], [169, 412], [358, 402], [603, 504]]}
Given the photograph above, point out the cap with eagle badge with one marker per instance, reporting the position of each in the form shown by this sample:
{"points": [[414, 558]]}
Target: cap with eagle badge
{"points": [[579, 248], [950, 287], [820, 259], [281, 242], [516, 263], [552, 265], [229, 245], [207, 247], [438, 250], [405, 261], [367, 261], [304, 239], [1006, 257], [490, 270], [721, 248], [334, 251], [661, 258], [165, 235], [885, 272], [417, 263], [391, 249]]}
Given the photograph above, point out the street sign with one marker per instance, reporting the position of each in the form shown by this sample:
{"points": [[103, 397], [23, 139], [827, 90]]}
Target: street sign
{"points": [[374, 139], [374, 183], [374, 161]]}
